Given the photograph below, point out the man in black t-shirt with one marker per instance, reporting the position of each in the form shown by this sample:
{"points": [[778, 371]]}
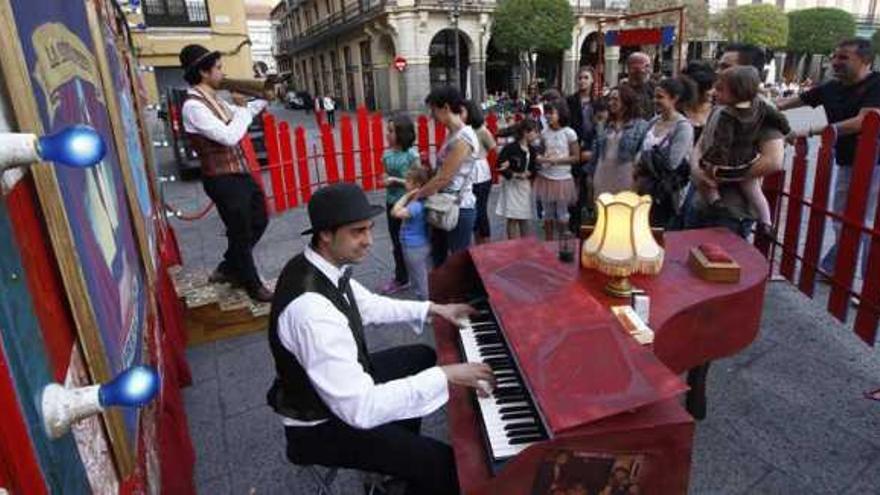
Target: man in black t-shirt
{"points": [[847, 98]]}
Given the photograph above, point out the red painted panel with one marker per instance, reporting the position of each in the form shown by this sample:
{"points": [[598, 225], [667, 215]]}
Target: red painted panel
{"points": [[302, 163], [816, 224], [364, 145], [856, 206], [329, 146], [19, 470], [270, 136], [795, 210], [378, 149], [287, 165], [347, 137], [42, 276]]}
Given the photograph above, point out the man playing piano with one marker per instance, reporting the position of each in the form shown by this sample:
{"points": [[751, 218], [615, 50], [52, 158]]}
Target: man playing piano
{"points": [[342, 406]]}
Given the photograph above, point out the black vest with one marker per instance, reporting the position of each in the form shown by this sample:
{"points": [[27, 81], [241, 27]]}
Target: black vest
{"points": [[292, 393]]}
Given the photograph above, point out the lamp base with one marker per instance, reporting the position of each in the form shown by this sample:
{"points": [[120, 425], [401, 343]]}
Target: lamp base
{"points": [[619, 287]]}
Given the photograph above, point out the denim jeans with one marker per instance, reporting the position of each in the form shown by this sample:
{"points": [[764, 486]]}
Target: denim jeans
{"points": [[418, 262], [698, 218], [456, 239], [842, 185]]}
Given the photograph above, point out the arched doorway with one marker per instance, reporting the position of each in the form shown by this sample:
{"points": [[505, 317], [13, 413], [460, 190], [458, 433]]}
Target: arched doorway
{"points": [[590, 50], [548, 68], [499, 70], [442, 61]]}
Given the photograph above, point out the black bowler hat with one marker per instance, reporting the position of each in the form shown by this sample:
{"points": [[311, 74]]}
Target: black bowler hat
{"points": [[192, 55], [337, 205]]}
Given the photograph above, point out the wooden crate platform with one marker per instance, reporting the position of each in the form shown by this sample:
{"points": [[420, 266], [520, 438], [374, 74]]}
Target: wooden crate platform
{"points": [[217, 311]]}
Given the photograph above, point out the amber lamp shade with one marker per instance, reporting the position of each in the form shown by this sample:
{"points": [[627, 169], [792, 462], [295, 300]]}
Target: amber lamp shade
{"points": [[622, 243]]}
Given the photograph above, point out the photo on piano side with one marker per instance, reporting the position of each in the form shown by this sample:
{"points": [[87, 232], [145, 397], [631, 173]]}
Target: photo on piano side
{"points": [[573, 472]]}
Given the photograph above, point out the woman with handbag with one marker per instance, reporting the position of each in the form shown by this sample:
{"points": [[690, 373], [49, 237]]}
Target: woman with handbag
{"points": [[662, 170], [450, 203]]}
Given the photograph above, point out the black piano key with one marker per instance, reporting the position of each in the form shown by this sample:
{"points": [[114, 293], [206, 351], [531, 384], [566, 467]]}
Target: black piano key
{"points": [[519, 426], [508, 400], [508, 391], [522, 433], [509, 409], [527, 439], [519, 415]]}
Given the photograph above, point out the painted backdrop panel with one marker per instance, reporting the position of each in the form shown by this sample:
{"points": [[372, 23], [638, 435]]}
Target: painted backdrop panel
{"points": [[56, 43]]}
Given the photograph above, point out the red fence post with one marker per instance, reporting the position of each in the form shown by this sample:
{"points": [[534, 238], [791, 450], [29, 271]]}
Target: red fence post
{"points": [[347, 149], [854, 216], [772, 187], [378, 150], [247, 147], [287, 165], [329, 146], [439, 136], [816, 223], [492, 156], [270, 137], [794, 211], [424, 146], [364, 144], [869, 309], [302, 163]]}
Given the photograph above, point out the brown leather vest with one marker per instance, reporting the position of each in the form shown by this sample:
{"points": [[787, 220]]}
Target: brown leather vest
{"points": [[215, 158]]}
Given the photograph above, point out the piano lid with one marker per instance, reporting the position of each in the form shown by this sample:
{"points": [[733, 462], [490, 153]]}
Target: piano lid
{"points": [[577, 360]]}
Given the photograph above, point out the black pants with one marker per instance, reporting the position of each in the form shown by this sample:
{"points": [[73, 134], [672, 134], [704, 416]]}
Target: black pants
{"points": [[481, 225], [394, 224], [397, 449], [331, 118], [242, 208]]}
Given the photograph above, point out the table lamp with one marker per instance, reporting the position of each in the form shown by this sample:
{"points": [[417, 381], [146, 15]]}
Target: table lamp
{"points": [[622, 243]]}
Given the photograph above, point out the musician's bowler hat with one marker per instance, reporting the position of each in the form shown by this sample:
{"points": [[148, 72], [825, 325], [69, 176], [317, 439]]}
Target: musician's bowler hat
{"points": [[192, 55], [337, 205]]}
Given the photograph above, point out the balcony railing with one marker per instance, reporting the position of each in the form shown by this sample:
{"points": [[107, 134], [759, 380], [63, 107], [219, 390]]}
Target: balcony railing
{"points": [[176, 13], [352, 13]]}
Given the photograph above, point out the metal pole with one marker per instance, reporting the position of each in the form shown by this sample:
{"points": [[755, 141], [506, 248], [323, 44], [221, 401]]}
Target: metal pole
{"points": [[681, 63]]}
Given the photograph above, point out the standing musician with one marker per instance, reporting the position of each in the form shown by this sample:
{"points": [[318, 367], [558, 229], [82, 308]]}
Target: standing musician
{"points": [[215, 129], [341, 405]]}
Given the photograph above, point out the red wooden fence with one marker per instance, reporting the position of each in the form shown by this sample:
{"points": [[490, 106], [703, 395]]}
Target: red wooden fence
{"points": [[853, 224]]}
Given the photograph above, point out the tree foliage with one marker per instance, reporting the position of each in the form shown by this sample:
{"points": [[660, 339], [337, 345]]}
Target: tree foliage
{"points": [[696, 15], [875, 41], [533, 26], [759, 24], [819, 30]]}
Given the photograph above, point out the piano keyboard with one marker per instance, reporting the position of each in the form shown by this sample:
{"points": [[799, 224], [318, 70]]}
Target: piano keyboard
{"points": [[510, 420]]}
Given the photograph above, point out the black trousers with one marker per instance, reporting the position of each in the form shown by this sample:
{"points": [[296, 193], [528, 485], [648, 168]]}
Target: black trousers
{"points": [[396, 449], [481, 225], [242, 208], [331, 118], [400, 274]]}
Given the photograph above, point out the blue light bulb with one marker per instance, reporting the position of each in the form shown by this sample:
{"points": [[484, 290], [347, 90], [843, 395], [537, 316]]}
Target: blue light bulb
{"points": [[133, 387], [76, 146]]}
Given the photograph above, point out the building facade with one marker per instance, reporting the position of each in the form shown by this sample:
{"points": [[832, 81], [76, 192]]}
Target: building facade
{"points": [[348, 49], [259, 29], [161, 28]]}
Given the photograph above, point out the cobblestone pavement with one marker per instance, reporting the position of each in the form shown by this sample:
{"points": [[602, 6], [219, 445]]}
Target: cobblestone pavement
{"points": [[787, 414]]}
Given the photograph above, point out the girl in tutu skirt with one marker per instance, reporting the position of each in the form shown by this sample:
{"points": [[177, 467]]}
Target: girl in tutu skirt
{"points": [[554, 184], [516, 163]]}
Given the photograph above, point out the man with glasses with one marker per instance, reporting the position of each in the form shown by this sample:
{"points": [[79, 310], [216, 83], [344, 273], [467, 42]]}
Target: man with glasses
{"points": [[854, 91]]}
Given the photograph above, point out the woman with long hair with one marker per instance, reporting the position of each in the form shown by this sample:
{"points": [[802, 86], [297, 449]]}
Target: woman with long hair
{"points": [[618, 142]]}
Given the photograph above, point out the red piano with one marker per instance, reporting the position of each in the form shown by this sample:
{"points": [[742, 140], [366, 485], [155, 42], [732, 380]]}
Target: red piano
{"points": [[580, 405]]}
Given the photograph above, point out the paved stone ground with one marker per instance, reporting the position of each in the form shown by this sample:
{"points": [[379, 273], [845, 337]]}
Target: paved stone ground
{"points": [[786, 415]]}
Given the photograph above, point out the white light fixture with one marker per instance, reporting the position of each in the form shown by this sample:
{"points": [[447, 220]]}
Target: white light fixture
{"points": [[62, 406]]}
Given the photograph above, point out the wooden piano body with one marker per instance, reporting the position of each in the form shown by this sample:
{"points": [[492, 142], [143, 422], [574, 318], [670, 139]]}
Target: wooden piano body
{"points": [[598, 390]]}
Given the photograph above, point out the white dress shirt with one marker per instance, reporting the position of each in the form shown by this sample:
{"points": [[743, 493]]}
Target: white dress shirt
{"points": [[199, 119], [318, 334]]}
